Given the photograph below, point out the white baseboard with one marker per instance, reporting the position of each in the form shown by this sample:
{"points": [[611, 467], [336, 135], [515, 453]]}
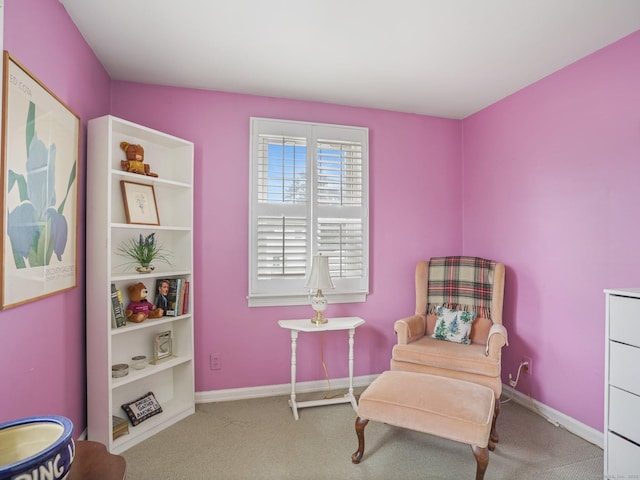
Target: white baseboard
{"points": [[555, 417], [558, 419], [283, 389]]}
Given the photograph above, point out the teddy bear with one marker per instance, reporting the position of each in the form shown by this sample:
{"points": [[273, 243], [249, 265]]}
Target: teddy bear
{"points": [[139, 308], [135, 160]]}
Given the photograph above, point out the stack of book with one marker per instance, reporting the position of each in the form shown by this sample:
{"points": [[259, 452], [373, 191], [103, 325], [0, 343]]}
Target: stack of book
{"points": [[120, 427], [118, 318], [177, 298]]}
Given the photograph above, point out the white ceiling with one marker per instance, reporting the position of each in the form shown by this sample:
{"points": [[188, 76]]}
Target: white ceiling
{"points": [[448, 58]]}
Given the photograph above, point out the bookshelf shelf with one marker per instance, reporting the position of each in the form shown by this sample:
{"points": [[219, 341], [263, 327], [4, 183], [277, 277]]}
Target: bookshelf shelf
{"points": [[174, 409], [172, 379], [149, 370], [160, 272], [149, 180], [149, 323]]}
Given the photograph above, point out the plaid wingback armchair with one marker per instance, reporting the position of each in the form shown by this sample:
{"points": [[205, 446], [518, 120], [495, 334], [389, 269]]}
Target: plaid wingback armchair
{"points": [[457, 328]]}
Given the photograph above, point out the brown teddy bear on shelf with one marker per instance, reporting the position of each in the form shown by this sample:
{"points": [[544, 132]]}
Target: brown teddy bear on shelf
{"points": [[139, 309], [135, 160]]}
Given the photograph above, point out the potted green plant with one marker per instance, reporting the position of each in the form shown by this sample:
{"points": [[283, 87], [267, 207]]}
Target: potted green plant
{"points": [[142, 252]]}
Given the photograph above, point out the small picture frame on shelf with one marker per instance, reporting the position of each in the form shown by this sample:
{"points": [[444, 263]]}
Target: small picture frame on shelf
{"points": [[162, 347], [139, 203]]}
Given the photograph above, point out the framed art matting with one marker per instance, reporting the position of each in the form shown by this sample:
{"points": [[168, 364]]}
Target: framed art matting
{"points": [[140, 203], [40, 154]]}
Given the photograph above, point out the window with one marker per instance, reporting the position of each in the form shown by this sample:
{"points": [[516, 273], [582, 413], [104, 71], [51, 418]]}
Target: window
{"points": [[308, 195]]}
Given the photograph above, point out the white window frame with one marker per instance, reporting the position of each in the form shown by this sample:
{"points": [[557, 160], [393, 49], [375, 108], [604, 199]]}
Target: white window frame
{"points": [[281, 291]]}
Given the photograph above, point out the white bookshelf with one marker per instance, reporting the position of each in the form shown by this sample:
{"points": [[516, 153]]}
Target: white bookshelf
{"points": [[172, 380]]}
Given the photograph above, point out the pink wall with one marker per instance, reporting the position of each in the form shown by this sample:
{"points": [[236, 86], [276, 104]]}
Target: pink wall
{"points": [[410, 155], [550, 174], [42, 358], [552, 182]]}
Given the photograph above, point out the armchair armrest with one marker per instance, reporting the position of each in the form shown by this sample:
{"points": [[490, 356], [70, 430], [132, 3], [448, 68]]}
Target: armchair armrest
{"points": [[410, 328], [497, 339]]}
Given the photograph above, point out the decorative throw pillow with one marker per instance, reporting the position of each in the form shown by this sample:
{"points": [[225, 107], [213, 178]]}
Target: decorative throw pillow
{"points": [[453, 325], [139, 410]]}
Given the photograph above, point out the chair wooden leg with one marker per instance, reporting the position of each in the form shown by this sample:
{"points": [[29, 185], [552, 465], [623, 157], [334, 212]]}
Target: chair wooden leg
{"points": [[482, 459], [494, 437], [360, 424]]}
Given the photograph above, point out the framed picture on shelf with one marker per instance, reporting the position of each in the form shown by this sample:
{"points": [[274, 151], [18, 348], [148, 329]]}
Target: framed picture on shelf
{"points": [[139, 203], [162, 346], [40, 162]]}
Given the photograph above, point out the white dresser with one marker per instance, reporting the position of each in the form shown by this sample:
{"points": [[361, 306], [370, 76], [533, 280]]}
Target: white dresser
{"points": [[622, 384]]}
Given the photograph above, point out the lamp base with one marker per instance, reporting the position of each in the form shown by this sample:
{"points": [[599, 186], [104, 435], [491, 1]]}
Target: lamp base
{"points": [[319, 304], [319, 319]]}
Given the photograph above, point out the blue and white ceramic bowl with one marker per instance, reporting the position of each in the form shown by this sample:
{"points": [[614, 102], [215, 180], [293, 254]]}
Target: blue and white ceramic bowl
{"points": [[35, 448]]}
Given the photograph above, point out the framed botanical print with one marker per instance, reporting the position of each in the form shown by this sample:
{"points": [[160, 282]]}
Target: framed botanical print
{"points": [[40, 170], [140, 203]]}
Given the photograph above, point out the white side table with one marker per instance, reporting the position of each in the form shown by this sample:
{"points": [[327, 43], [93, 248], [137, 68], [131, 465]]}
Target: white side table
{"points": [[341, 323]]}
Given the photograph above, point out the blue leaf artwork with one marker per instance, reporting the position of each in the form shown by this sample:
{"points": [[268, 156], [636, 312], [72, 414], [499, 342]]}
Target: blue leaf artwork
{"points": [[36, 227]]}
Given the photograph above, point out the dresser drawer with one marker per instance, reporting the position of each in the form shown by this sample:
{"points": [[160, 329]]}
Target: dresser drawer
{"points": [[624, 414], [623, 457], [624, 319], [624, 367]]}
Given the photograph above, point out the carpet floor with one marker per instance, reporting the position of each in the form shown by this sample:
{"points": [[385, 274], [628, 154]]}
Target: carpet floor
{"points": [[259, 439]]}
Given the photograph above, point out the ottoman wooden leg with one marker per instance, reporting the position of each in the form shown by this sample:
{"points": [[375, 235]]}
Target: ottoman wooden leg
{"points": [[482, 459], [360, 424]]}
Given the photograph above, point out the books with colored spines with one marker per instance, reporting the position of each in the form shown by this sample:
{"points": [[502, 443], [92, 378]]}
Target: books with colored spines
{"points": [[173, 296], [185, 304], [183, 287], [123, 321], [118, 318], [160, 299], [120, 426]]}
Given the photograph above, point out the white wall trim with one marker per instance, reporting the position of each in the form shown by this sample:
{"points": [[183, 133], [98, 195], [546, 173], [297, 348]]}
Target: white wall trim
{"points": [[555, 417], [283, 389]]}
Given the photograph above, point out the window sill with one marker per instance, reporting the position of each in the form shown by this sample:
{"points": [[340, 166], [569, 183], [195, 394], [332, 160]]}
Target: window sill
{"points": [[289, 300]]}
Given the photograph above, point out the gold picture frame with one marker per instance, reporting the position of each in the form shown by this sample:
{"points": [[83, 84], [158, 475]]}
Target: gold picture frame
{"points": [[39, 201], [140, 205]]}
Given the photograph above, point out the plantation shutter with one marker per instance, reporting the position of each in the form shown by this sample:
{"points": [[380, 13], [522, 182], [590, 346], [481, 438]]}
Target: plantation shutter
{"points": [[340, 204], [308, 195], [282, 199], [282, 247]]}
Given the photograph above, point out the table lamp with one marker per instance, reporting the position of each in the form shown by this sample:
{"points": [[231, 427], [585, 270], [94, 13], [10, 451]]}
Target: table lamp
{"points": [[319, 279]]}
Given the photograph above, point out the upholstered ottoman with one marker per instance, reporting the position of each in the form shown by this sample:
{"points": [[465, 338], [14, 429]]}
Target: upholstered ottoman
{"points": [[441, 406]]}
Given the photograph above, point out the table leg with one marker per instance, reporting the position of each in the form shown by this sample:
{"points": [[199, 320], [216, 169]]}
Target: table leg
{"points": [[354, 404], [292, 402]]}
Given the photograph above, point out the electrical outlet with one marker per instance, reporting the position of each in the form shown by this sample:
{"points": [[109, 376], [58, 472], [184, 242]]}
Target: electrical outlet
{"points": [[216, 361], [527, 369]]}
